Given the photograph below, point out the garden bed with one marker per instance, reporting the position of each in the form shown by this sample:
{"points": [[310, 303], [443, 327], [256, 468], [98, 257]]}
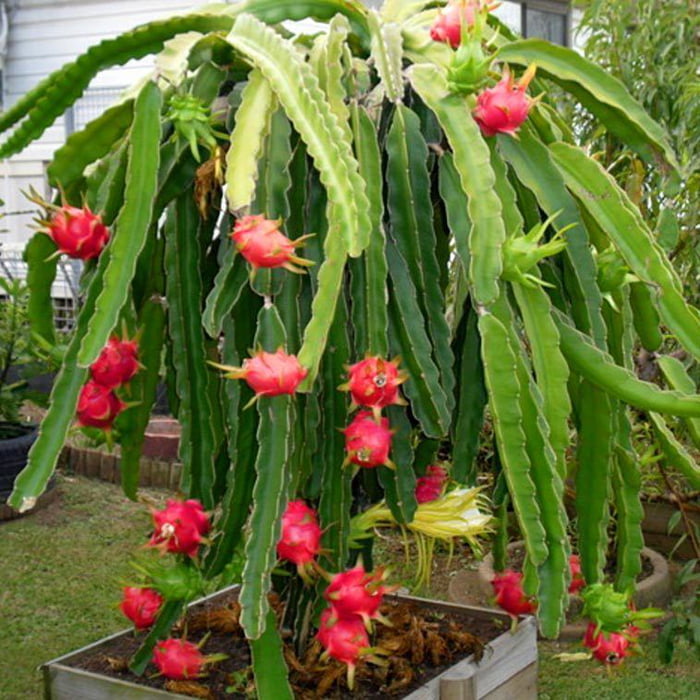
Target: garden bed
{"points": [[468, 646]]}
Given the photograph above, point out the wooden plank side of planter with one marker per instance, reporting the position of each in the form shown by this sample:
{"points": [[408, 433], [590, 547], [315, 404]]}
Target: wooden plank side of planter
{"points": [[62, 682], [508, 664]]}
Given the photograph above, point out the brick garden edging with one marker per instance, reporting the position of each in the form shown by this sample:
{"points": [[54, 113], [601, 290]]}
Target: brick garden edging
{"points": [[95, 464]]}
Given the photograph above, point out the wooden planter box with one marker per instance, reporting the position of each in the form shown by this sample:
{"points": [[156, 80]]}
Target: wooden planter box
{"points": [[507, 670]]}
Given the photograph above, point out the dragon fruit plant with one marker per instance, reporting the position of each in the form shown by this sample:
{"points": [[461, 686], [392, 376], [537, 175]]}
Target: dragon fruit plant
{"points": [[455, 225]]}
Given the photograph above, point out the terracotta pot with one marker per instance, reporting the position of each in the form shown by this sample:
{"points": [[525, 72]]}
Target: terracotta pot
{"points": [[653, 591], [162, 439], [508, 668], [656, 534]]}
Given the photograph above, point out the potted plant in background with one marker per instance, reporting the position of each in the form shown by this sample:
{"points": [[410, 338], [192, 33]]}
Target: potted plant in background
{"points": [[19, 363], [455, 223]]}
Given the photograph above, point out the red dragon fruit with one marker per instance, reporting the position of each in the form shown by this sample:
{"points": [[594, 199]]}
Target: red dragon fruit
{"points": [[179, 527], [374, 382], [355, 592], [117, 364], [504, 107], [448, 24], [577, 580], [368, 442], [77, 232], [300, 540], [510, 596], [98, 406], [269, 373], [430, 487], [141, 605], [178, 659], [344, 639], [608, 647], [262, 244]]}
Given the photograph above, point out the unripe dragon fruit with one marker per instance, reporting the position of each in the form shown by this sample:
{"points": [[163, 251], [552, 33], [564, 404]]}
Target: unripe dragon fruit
{"points": [[430, 486], [577, 580], [368, 442], [356, 593], [510, 596], [179, 527], [269, 373], [608, 647], [262, 244], [374, 382], [447, 27], [504, 107], [98, 406], [178, 659], [77, 232], [300, 539], [141, 605], [344, 639], [117, 363]]}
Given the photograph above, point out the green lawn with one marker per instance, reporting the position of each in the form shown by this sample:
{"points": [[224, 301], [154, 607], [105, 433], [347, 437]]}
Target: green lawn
{"points": [[60, 579], [62, 569]]}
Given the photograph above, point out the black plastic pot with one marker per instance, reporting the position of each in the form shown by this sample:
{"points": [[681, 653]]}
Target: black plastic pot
{"points": [[15, 441]]}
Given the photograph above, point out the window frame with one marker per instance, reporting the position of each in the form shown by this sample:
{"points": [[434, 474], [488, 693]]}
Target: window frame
{"points": [[555, 7]]}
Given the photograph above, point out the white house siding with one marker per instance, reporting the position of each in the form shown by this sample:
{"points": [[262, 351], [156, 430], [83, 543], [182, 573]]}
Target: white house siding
{"points": [[43, 36]]}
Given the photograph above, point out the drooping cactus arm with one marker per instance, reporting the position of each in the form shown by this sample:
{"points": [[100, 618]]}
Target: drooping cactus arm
{"points": [[594, 457], [533, 165], [298, 90], [184, 294], [598, 367], [601, 93], [620, 220], [413, 233], [132, 224], [270, 491], [472, 161]]}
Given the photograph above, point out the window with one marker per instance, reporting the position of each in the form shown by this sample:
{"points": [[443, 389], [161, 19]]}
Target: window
{"points": [[90, 106], [545, 19]]}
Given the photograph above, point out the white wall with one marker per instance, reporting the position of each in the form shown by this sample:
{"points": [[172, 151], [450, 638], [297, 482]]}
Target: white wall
{"points": [[43, 35]]}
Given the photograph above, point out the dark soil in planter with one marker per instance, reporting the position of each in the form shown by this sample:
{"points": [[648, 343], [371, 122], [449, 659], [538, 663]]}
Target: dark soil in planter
{"points": [[423, 643]]}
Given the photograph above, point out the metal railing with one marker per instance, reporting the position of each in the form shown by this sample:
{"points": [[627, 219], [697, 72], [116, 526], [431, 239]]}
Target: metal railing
{"points": [[65, 291]]}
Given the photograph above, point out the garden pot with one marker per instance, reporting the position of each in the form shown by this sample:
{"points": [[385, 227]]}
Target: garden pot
{"points": [[508, 667], [654, 590], [15, 442], [657, 515], [162, 439]]}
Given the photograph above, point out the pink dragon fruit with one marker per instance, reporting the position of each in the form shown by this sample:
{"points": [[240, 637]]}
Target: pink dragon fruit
{"points": [[504, 107], [117, 363], [179, 527], [447, 27], [374, 382], [300, 539], [430, 487], [355, 592], [510, 596], [77, 232], [98, 406], [577, 580], [608, 647], [344, 639], [141, 605], [269, 373], [368, 442], [178, 659], [262, 244]]}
